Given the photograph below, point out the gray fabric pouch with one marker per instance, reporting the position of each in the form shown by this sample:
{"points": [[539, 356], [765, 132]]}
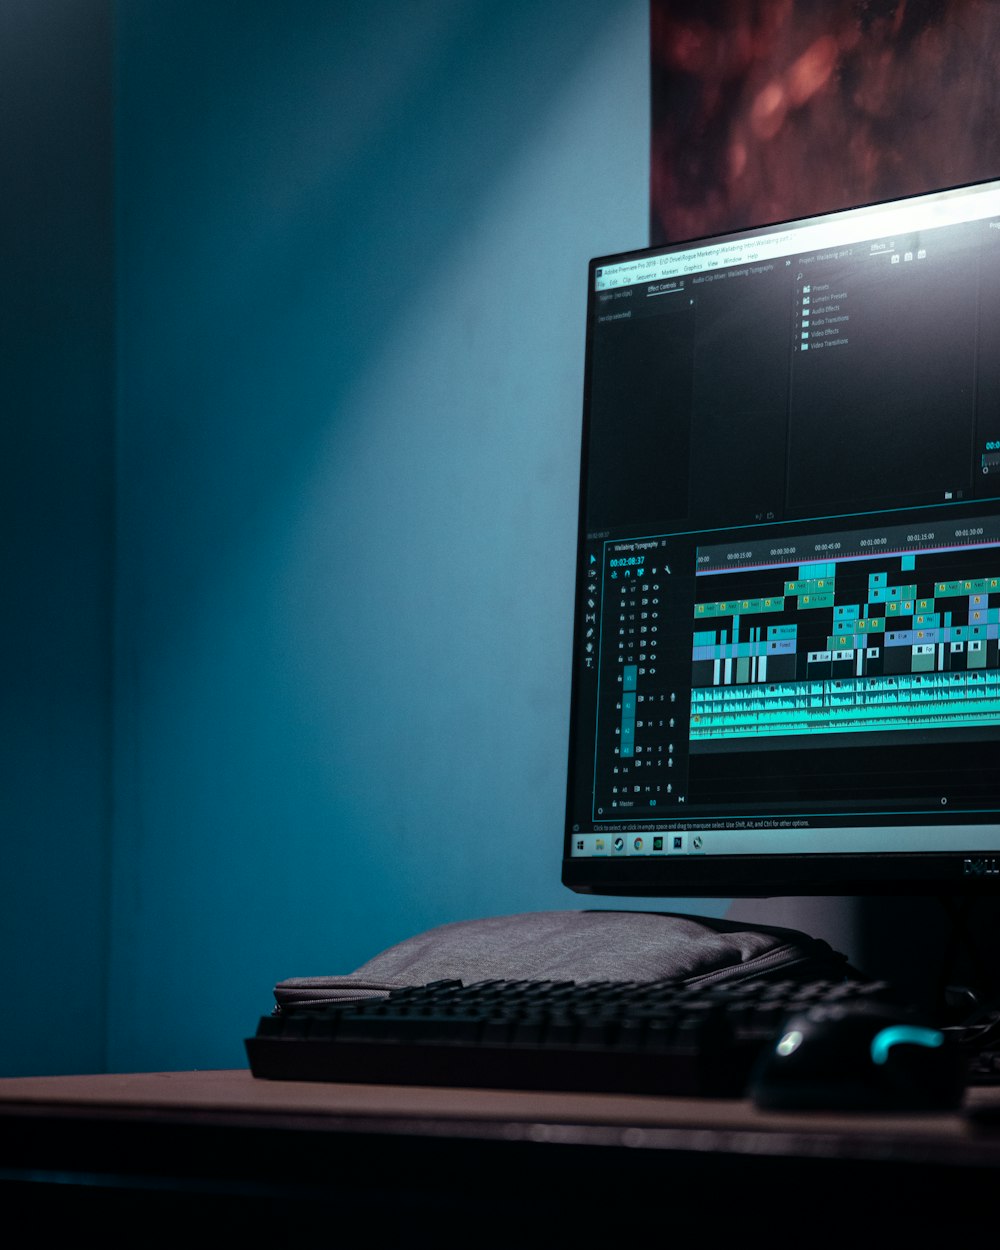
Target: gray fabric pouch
{"points": [[577, 946]]}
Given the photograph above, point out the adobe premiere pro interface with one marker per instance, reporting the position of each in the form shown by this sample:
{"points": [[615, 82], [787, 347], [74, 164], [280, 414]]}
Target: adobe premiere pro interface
{"points": [[789, 615]]}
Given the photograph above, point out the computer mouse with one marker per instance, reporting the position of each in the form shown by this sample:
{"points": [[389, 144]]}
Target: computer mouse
{"points": [[859, 1057]]}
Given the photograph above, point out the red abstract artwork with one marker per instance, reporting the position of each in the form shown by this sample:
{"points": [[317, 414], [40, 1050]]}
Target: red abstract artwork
{"points": [[763, 110]]}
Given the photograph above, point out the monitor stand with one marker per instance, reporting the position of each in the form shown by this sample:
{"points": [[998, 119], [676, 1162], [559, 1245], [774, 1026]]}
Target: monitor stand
{"points": [[928, 947]]}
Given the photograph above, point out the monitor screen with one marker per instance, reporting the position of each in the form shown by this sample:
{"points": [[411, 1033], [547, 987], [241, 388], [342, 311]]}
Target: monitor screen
{"points": [[786, 668]]}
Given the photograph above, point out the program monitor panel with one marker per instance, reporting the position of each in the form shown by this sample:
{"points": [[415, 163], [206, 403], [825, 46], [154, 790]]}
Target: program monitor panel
{"points": [[787, 652]]}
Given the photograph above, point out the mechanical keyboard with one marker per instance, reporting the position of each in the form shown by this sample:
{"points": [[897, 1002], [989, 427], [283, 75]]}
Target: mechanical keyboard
{"points": [[617, 1037]]}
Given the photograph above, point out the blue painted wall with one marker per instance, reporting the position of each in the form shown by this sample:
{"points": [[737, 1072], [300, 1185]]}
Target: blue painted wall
{"points": [[56, 534], [350, 253]]}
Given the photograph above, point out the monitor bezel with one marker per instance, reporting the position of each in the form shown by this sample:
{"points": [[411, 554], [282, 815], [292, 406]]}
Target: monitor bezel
{"points": [[737, 876]]}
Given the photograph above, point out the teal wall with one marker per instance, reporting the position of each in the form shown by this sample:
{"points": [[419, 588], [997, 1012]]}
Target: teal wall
{"points": [[56, 534], [350, 246], [352, 255]]}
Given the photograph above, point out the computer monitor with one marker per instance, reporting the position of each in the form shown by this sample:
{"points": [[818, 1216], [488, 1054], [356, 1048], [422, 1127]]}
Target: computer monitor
{"points": [[786, 664]]}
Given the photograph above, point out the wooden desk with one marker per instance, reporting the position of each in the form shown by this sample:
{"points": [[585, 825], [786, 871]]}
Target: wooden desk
{"points": [[472, 1167]]}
